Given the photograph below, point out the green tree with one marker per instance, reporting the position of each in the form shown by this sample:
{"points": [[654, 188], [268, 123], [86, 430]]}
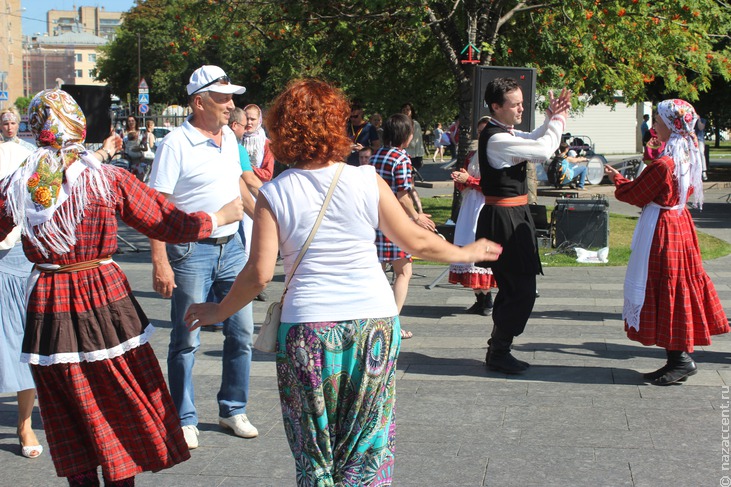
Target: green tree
{"points": [[386, 52], [22, 103]]}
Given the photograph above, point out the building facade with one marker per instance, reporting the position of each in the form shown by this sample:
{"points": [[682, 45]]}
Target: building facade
{"points": [[90, 20], [11, 52], [64, 59]]}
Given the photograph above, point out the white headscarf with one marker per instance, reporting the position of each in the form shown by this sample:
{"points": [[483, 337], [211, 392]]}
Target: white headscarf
{"points": [[254, 141], [682, 147]]}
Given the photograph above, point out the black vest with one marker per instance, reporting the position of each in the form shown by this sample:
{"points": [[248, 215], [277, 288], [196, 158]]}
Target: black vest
{"points": [[506, 182]]}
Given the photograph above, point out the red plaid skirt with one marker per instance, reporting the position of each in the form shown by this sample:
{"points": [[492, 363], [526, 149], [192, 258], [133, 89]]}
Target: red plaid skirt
{"points": [[115, 413], [681, 308]]}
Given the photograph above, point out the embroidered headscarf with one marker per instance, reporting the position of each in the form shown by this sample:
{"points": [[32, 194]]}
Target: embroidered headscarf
{"points": [[682, 146], [254, 141], [48, 193]]}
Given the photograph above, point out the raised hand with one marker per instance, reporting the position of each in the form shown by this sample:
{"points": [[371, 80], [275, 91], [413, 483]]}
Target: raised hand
{"points": [[561, 104]]}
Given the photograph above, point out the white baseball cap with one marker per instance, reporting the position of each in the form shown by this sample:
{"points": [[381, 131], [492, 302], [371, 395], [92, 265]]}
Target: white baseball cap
{"points": [[212, 78]]}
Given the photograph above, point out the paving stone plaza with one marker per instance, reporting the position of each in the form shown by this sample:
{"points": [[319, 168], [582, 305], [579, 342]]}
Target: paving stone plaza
{"points": [[580, 416]]}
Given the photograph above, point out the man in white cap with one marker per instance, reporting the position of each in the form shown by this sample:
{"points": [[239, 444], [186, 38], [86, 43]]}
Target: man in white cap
{"points": [[197, 167]]}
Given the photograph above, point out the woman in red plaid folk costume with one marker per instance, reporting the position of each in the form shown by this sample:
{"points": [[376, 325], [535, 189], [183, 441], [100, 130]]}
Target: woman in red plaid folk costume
{"points": [[669, 300], [101, 393]]}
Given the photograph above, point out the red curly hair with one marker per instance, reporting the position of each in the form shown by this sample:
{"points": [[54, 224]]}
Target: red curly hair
{"points": [[306, 123]]}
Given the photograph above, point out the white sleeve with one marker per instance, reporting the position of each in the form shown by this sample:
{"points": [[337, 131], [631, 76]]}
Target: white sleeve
{"points": [[165, 169], [505, 150]]}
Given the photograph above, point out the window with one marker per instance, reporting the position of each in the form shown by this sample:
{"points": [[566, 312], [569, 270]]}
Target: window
{"points": [[92, 58], [91, 73], [78, 57], [79, 73]]}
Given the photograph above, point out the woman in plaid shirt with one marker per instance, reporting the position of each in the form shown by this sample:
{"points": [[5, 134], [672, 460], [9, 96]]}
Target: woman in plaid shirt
{"points": [[393, 164]]}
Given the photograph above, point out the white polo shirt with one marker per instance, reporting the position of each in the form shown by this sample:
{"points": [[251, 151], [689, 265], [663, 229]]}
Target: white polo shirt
{"points": [[196, 173]]}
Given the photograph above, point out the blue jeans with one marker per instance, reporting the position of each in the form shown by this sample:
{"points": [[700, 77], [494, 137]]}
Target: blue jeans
{"points": [[200, 268], [580, 172]]}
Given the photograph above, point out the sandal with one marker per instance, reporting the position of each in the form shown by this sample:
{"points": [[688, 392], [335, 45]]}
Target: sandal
{"points": [[30, 451], [405, 334]]}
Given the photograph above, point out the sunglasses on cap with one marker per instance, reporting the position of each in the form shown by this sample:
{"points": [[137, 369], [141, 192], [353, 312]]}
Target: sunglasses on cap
{"points": [[224, 80]]}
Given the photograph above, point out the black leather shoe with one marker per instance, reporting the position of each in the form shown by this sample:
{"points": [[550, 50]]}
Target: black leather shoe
{"points": [[262, 296], [506, 363], [477, 307], [680, 367]]}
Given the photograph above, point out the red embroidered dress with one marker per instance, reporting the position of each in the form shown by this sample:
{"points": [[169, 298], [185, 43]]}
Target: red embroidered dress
{"points": [[681, 307], [102, 396]]}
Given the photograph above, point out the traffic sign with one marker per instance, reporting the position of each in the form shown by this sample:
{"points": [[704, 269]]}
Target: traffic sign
{"points": [[143, 109], [143, 85], [143, 99], [3, 96]]}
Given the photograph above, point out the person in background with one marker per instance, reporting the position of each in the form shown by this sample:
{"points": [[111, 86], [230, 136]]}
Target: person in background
{"points": [[377, 121], [361, 133], [453, 132], [9, 125], [570, 166], [504, 154], [15, 270], [415, 148], [338, 341], [392, 163], [238, 123], [669, 300], [364, 156], [257, 144], [132, 144], [700, 134], [149, 141], [438, 146], [101, 393], [479, 279], [644, 127]]}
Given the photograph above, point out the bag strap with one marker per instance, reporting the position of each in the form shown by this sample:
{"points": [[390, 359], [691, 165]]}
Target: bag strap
{"points": [[325, 204]]}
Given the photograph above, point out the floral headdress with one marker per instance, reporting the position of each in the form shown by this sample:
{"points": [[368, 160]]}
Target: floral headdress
{"points": [[682, 146], [48, 193]]}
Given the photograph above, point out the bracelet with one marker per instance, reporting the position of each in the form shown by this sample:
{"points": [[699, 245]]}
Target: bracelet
{"points": [[109, 153]]}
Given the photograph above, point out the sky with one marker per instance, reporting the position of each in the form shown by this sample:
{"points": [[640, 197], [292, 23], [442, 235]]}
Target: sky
{"points": [[34, 15]]}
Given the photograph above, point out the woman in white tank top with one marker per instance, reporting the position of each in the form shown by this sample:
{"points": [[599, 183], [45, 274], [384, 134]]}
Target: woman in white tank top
{"points": [[339, 337]]}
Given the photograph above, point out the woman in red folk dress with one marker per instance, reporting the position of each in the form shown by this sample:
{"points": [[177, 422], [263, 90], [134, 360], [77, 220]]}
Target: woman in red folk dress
{"points": [[101, 393], [479, 279], [669, 300]]}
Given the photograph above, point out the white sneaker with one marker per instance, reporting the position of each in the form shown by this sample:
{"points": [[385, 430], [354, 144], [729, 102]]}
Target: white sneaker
{"points": [[190, 432], [240, 425]]}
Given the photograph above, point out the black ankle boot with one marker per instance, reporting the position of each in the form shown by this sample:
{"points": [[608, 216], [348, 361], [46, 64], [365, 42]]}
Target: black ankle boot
{"points": [[681, 366], [650, 376], [476, 308], [487, 305], [498, 356]]}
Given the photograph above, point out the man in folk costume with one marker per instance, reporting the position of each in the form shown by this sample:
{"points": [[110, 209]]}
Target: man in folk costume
{"points": [[669, 300], [101, 392], [504, 154]]}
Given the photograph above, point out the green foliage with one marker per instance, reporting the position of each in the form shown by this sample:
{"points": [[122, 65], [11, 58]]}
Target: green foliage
{"points": [[385, 53], [22, 103]]}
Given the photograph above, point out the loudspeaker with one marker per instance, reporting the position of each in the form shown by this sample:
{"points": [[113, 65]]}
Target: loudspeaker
{"points": [[540, 219], [580, 223], [526, 78], [95, 102]]}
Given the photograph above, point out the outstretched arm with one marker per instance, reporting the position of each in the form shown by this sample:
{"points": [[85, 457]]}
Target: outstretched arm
{"points": [[414, 239]]}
